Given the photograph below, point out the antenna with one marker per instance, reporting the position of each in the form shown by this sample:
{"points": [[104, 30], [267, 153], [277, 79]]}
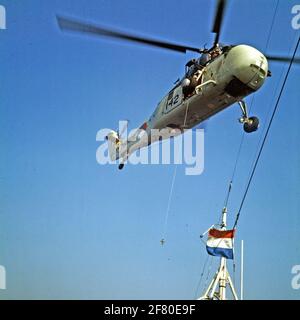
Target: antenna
{"points": [[217, 287]]}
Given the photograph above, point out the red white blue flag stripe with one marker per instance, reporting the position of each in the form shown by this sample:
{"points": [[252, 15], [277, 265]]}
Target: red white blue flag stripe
{"points": [[220, 243]]}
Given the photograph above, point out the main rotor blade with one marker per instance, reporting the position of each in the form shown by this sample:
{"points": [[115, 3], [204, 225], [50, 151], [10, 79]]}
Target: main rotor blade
{"points": [[282, 59], [218, 20], [82, 27]]}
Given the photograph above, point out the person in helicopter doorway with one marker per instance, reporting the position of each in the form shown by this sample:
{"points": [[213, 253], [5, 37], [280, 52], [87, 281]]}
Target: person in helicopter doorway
{"points": [[216, 52], [193, 75], [194, 70]]}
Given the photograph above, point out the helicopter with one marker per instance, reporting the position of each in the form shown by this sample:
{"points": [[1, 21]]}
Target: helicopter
{"points": [[218, 78]]}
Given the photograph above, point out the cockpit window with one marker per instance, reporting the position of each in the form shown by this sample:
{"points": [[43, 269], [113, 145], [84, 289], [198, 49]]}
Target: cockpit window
{"points": [[205, 57]]}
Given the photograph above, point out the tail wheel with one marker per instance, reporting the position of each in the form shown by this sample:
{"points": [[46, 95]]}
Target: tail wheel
{"points": [[251, 124]]}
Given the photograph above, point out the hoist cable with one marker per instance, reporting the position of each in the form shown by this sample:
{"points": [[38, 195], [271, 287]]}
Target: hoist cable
{"points": [[272, 25], [250, 107], [269, 109], [208, 271], [266, 134], [238, 155], [169, 201], [172, 184], [201, 276]]}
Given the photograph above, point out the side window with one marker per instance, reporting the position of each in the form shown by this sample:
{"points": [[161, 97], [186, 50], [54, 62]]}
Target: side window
{"points": [[170, 96], [173, 99], [170, 100]]}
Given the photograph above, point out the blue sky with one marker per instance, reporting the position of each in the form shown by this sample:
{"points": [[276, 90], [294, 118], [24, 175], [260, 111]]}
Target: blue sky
{"points": [[70, 228]]}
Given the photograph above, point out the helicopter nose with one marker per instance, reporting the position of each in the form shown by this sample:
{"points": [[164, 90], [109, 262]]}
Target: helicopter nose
{"points": [[249, 65]]}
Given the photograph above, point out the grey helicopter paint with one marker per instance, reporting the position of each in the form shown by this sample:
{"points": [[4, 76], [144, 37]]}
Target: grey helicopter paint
{"points": [[220, 77]]}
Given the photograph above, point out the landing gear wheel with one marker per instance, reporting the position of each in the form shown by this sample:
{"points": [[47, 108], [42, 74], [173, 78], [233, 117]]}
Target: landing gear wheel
{"points": [[121, 166], [251, 124]]}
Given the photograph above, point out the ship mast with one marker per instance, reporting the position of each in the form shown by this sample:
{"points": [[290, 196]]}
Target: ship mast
{"points": [[217, 287]]}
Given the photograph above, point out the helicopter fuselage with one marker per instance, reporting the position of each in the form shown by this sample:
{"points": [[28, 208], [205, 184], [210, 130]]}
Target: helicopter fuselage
{"points": [[223, 81], [220, 77]]}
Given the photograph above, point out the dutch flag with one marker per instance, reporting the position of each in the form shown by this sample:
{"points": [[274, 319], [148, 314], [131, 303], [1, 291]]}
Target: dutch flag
{"points": [[220, 243]]}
